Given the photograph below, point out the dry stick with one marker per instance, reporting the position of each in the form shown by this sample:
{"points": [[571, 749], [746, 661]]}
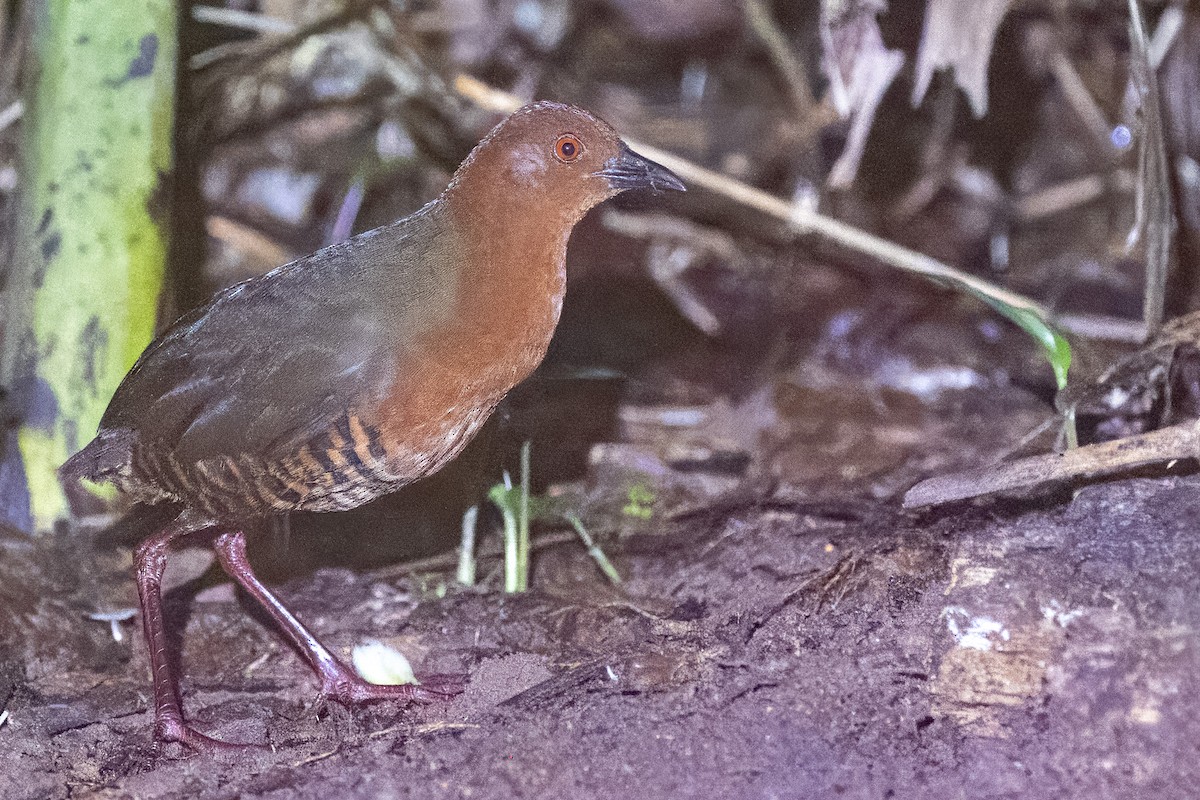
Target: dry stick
{"points": [[805, 220], [798, 217], [282, 33], [1170, 24], [247, 240], [1093, 460], [242, 20], [11, 114], [594, 550], [1155, 220], [1101, 327], [1081, 101], [758, 15], [1069, 194]]}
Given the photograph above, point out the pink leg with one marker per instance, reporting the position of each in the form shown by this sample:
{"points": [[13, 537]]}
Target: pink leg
{"points": [[150, 561], [338, 682]]}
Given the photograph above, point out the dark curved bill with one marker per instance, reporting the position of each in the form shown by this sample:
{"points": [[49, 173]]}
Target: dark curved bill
{"points": [[628, 170]]}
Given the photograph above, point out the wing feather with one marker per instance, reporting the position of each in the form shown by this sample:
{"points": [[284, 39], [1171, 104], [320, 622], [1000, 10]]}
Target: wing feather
{"points": [[273, 362]]}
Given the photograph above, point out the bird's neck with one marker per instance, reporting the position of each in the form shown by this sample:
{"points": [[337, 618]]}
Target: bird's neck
{"points": [[509, 287], [490, 292]]}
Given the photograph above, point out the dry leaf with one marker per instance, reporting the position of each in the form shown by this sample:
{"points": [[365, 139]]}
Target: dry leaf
{"points": [[959, 34], [860, 70]]}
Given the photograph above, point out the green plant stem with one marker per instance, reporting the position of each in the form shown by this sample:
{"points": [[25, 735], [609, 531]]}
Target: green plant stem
{"points": [[512, 579], [466, 553], [594, 550], [501, 497], [523, 520]]}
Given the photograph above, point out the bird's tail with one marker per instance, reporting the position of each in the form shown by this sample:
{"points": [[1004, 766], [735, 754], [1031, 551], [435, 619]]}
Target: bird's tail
{"points": [[107, 459]]}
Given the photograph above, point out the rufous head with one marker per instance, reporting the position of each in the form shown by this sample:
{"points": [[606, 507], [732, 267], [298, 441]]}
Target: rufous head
{"points": [[559, 159]]}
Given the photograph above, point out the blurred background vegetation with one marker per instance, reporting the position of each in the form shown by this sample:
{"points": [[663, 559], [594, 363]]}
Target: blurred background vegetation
{"points": [[90, 224]]}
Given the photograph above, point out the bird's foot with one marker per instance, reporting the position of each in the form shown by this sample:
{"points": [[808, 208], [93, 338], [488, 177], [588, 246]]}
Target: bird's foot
{"points": [[171, 728], [347, 688]]}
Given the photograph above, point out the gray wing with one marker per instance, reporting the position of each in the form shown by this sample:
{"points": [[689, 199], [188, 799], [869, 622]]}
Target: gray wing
{"points": [[270, 363]]}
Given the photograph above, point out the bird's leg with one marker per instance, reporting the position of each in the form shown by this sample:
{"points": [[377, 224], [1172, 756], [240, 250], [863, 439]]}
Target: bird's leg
{"points": [[151, 561], [338, 682]]}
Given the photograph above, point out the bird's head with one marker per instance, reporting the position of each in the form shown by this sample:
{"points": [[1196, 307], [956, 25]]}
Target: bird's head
{"points": [[559, 159]]}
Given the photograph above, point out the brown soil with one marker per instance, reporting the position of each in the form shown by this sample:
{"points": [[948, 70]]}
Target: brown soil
{"points": [[769, 647], [784, 630]]}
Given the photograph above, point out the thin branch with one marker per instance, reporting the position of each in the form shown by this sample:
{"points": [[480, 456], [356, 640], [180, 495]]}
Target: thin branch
{"points": [[1081, 101], [242, 20], [1155, 222], [759, 18], [1094, 460], [1104, 328], [11, 114]]}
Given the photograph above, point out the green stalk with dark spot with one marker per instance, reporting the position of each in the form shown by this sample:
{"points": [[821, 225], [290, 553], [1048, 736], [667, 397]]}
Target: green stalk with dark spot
{"points": [[81, 295]]}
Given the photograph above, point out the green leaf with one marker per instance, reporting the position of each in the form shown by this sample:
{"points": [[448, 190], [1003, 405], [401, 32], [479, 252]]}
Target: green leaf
{"points": [[639, 502], [1055, 345]]}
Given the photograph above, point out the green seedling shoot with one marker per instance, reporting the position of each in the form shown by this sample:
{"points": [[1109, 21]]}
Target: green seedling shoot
{"points": [[639, 502]]}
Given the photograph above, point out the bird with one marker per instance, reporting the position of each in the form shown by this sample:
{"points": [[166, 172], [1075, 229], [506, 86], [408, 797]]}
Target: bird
{"points": [[352, 372]]}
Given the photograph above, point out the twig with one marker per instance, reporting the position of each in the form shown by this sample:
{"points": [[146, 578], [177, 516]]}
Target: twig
{"points": [[1080, 100], [11, 114], [442, 725], [1170, 25], [1155, 221], [243, 20], [252, 243], [1068, 194], [255, 664], [218, 52], [1094, 460], [594, 551], [285, 38], [759, 18], [805, 220], [1103, 328], [675, 245], [318, 757]]}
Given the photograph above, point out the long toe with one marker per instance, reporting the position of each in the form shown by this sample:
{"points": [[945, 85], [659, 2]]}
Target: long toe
{"points": [[444, 687], [353, 690], [174, 730]]}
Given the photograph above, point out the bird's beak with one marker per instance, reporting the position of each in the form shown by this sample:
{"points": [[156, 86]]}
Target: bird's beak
{"points": [[628, 170]]}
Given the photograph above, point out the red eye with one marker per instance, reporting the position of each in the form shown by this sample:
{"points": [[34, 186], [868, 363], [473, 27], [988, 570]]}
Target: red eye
{"points": [[568, 148]]}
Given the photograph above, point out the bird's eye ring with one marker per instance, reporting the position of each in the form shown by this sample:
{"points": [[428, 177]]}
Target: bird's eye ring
{"points": [[568, 148]]}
